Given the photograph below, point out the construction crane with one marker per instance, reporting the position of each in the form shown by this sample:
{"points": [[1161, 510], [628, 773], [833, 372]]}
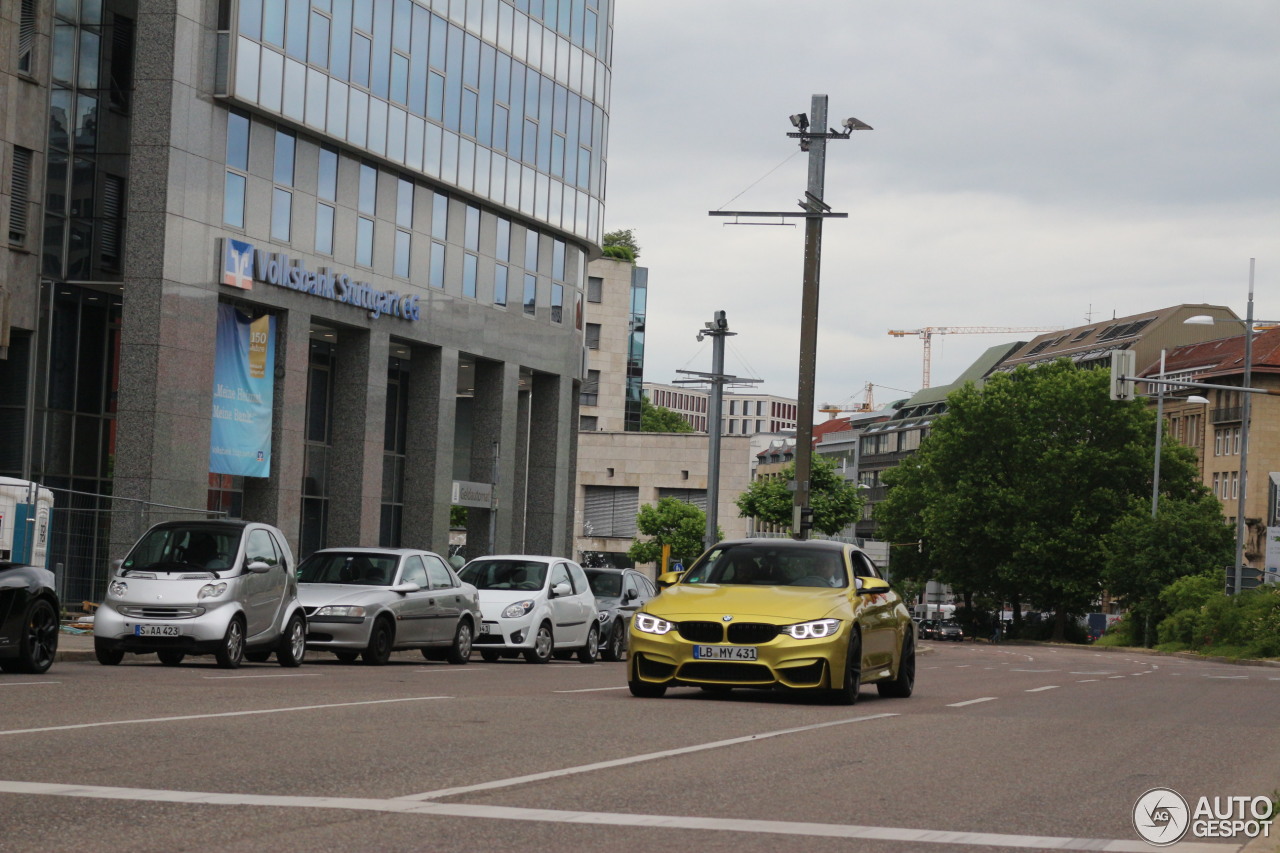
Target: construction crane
{"points": [[868, 403], [927, 332]]}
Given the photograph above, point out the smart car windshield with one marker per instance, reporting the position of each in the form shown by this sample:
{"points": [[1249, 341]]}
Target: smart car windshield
{"points": [[505, 574], [347, 567], [766, 565], [176, 549], [605, 584]]}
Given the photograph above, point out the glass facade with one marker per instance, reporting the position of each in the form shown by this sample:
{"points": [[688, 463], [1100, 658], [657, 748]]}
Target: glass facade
{"points": [[505, 100]]}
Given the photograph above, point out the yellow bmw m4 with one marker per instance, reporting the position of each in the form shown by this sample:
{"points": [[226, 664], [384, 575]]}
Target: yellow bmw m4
{"points": [[775, 613]]}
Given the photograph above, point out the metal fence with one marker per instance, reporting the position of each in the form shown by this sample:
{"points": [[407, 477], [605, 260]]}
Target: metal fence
{"points": [[81, 529]]}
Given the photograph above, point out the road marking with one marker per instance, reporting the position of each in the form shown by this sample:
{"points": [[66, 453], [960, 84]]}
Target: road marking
{"points": [[635, 759], [1104, 672], [1042, 689], [1117, 676], [213, 716], [606, 819], [281, 675], [450, 669], [1226, 676], [1085, 680], [963, 665], [28, 683], [971, 702], [590, 689], [1033, 670]]}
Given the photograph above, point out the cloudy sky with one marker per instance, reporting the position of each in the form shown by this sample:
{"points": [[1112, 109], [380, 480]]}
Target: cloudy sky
{"points": [[1033, 164]]}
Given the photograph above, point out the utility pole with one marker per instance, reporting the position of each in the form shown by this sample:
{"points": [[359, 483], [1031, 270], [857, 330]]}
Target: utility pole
{"points": [[717, 329], [814, 211]]}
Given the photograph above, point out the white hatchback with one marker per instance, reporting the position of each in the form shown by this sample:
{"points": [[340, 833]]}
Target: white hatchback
{"points": [[535, 606]]}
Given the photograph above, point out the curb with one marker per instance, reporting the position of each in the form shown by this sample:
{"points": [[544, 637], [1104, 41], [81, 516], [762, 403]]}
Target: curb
{"points": [[1141, 651]]}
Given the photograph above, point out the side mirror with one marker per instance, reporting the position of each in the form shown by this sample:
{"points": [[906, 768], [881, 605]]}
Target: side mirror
{"points": [[667, 579], [630, 595], [560, 589], [872, 586], [258, 567], [406, 587]]}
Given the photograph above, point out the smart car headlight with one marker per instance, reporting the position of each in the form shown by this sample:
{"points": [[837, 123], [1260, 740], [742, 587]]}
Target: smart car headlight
{"points": [[211, 590], [651, 624], [340, 610], [520, 608], [117, 589], [815, 630]]}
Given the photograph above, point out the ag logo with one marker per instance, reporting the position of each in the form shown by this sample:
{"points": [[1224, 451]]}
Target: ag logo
{"points": [[1161, 817]]}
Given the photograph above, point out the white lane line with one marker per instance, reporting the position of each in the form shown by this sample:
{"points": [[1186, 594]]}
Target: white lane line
{"points": [[1085, 680], [213, 716], [27, 683], [1104, 672], [1226, 676], [1033, 670], [451, 669], [590, 689], [635, 759], [1042, 689], [1117, 676], [607, 819], [281, 675], [971, 702], [963, 665]]}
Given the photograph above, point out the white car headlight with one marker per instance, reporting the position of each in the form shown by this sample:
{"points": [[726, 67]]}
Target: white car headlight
{"points": [[603, 615], [650, 624], [211, 590], [340, 610], [520, 608], [812, 630], [117, 589]]}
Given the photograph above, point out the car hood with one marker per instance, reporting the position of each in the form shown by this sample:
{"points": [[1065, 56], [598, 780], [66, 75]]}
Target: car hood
{"points": [[715, 601], [321, 594]]}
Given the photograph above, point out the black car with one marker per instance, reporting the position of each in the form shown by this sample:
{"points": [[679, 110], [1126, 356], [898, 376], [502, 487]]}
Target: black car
{"points": [[619, 594], [928, 629], [28, 619], [950, 631]]}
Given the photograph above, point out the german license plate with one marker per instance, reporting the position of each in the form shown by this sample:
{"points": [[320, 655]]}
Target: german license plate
{"points": [[486, 628], [157, 631], [724, 652]]}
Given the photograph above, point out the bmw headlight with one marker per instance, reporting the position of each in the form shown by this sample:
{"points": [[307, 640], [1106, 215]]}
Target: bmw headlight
{"points": [[520, 608], [650, 624], [340, 610], [211, 590], [117, 589], [812, 630]]}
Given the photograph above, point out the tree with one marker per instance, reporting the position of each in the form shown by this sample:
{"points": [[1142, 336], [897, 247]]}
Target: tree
{"points": [[621, 244], [670, 522], [1016, 487], [835, 501], [661, 419]]}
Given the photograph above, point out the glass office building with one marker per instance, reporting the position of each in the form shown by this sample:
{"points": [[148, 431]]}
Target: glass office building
{"points": [[379, 212]]}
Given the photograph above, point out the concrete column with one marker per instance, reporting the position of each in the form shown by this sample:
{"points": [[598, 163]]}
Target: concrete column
{"points": [[428, 472], [493, 430], [355, 459], [518, 462], [551, 474]]}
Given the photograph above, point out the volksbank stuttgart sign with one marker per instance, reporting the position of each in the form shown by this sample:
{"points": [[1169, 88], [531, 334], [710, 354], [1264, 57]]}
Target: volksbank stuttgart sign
{"points": [[242, 265]]}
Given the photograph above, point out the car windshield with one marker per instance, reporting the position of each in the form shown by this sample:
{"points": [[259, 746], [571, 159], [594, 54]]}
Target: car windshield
{"points": [[176, 549], [348, 567], [505, 574], [769, 565], [605, 584]]}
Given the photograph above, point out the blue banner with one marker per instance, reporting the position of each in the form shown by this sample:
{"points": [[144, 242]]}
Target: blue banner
{"points": [[243, 385]]}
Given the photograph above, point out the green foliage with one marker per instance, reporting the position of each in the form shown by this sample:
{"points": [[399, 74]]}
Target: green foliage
{"points": [[670, 522], [835, 501], [457, 516], [621, 244], [1015, 490], [661, 419], [1244, 625]]}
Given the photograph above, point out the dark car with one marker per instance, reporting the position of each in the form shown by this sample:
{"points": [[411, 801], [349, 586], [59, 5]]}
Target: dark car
{"points": [[619, 594], [28, 619], [928, 629], [950, 631]]}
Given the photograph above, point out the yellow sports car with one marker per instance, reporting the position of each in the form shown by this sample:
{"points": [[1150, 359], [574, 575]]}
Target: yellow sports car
{"points": [[775, 613]]}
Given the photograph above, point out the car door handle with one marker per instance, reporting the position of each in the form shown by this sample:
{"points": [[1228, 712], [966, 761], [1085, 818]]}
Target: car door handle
{"points": [[431, 601]]}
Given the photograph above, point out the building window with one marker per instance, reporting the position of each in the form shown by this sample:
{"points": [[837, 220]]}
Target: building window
{"points": [[237, 169], [590, 389], [368, 197], [440, 217], [469, 270], [364, 241], [324, 228], [282, 198], [531, 250], [26, 35], [500, 285], [318, 439], [610, 511], [403, 242], [502, 251], [557, 260], [593, 336], [557, 303], [595, 289], [437, 266], [19, 192], [588, 423], [281, 211], [395, 429], [530, 293], [471, 231]]}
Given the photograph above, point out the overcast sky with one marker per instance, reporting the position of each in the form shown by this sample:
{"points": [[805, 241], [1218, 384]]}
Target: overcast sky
{"points": [[1033, 164]]}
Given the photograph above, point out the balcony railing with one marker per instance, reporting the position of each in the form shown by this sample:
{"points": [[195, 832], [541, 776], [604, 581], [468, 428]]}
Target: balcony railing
{"points": [[1222, 416]]}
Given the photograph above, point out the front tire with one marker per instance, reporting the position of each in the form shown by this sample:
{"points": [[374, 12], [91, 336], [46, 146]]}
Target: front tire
{"points": [[460, 651], [587, 654], [106, 655], [645, 690], [347, 657], [293, 642], [847, 692], [543, 644], [490, 655], [616, 647], [378, 652], [905, 682], [169, 657], [38, 645], [231, 652]]}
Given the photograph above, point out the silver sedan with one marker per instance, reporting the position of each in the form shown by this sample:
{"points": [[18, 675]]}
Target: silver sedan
{"points": [[369, 602]]}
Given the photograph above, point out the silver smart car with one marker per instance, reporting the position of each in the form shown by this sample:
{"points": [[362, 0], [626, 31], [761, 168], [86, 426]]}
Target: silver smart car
{"points": [[221, 588]]}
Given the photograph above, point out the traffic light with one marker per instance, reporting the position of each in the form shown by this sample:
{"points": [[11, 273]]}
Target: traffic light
{"points": [[1123, 363]]}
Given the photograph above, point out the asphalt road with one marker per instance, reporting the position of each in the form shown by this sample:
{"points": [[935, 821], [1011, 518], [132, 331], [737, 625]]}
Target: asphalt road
{"points": [[1001, 747]]}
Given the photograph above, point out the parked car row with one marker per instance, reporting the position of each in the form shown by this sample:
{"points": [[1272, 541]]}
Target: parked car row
{"points": [[232, 589]]}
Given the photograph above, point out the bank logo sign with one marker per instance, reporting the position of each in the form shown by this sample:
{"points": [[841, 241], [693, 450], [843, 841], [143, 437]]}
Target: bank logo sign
{"points": [[242, 265]]}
